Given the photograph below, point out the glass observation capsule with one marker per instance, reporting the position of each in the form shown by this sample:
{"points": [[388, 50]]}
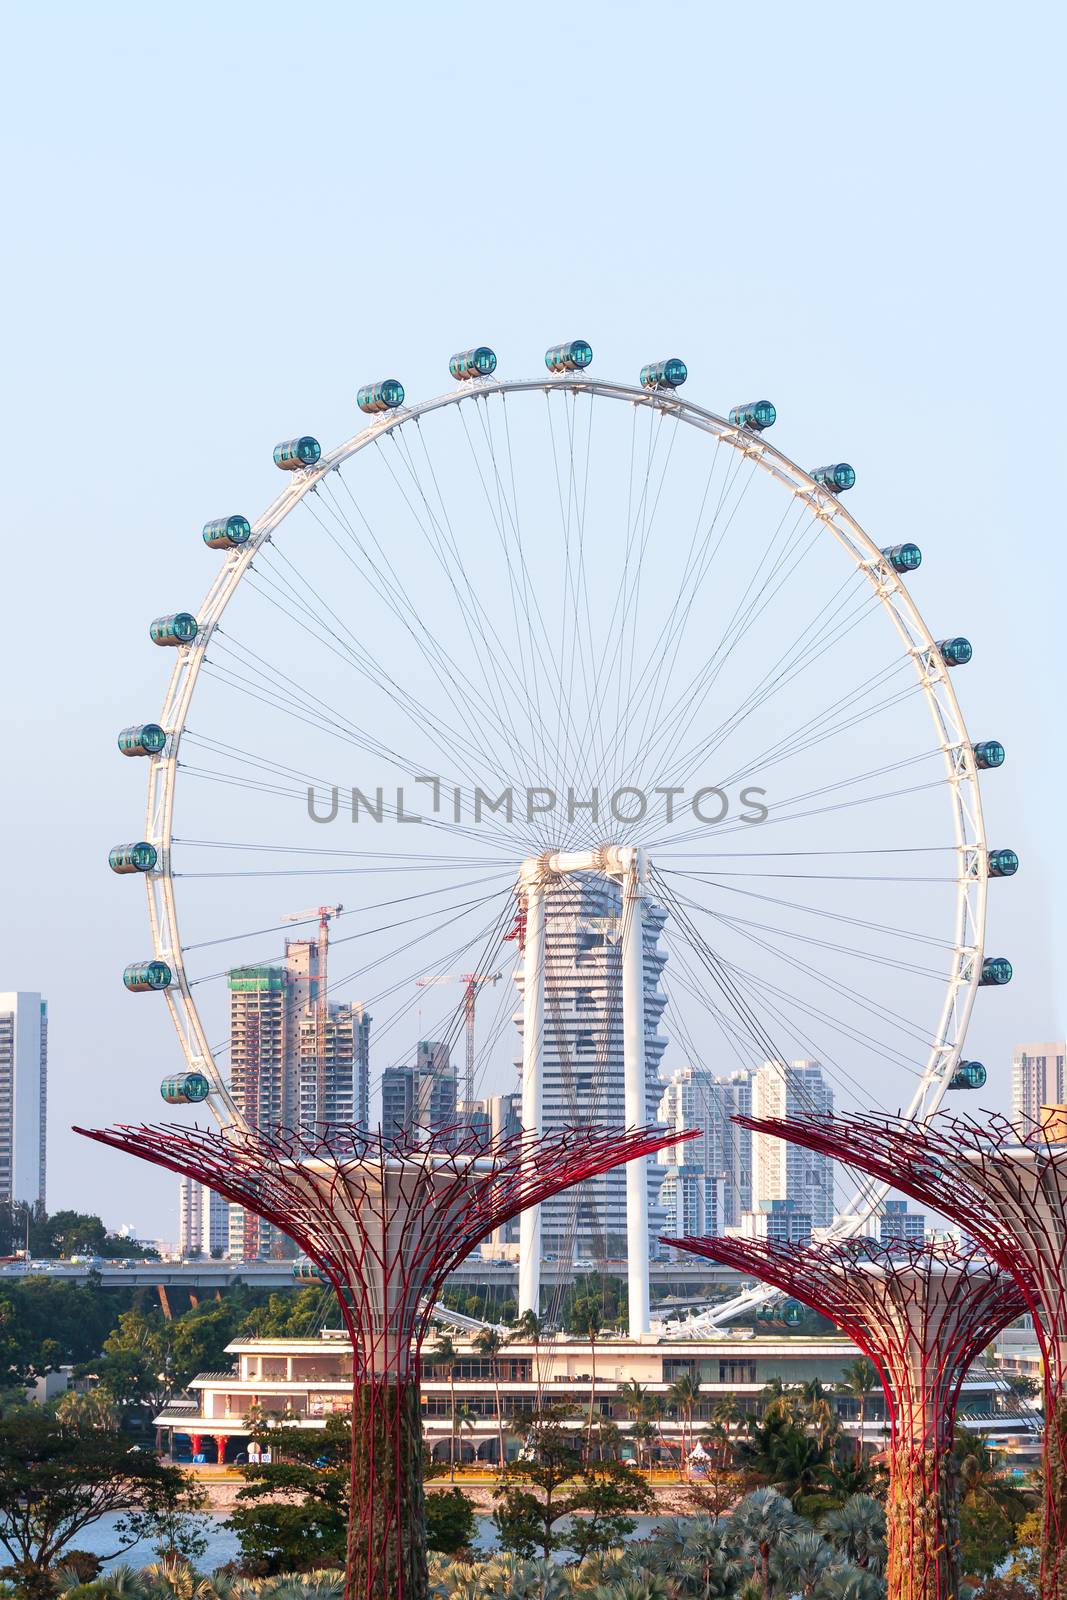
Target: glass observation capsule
{"points": [[792, 1313], [181, 628], [308, 1272], [292, 454], [837, 477], [384, 396], [968, 1075], [669, 374], [143, 739], [477, 363], [955, 652], [989, 753], [1003, 863], [145, 975], [755, 414], [227, 533], [185, 1088], [904, 557], [140, 857], [570, 357], [996, 970]]}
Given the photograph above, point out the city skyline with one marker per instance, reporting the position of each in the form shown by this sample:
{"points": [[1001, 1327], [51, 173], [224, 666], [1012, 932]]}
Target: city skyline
{"points": [[874, 348]]}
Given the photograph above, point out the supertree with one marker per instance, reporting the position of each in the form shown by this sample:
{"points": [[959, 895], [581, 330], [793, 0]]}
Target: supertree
{"points": [[385, 1220], [1004, 1182], [920, 1313]]}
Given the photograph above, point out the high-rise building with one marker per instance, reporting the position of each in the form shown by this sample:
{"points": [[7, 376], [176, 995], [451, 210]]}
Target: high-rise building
{"points": [[1037, 1079], [898, 1225], [784, 1171], [781, 1221], [583, 1058], [398, 1100], [23, 1096], [435, 1084], [695, 1098], [292, 1066], [203, 1220]]}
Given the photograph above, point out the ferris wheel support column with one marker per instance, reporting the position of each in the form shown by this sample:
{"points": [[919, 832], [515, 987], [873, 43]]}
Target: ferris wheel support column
{"points": [[635, 888], [533, 1062]]}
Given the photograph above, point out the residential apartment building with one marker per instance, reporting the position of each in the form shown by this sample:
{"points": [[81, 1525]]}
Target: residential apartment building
{"points": [[784, 1171], [23, 1096], [1037, 1079]]}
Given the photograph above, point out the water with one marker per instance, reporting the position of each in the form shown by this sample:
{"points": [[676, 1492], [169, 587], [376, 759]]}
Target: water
{"points": [[223, 1545]]}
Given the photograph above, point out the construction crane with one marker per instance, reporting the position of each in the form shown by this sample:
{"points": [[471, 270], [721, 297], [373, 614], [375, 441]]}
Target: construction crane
{"points": [[472, 982], [325, 915]]}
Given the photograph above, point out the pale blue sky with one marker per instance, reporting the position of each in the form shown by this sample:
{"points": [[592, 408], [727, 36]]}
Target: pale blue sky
{"points": [[222, 219]]}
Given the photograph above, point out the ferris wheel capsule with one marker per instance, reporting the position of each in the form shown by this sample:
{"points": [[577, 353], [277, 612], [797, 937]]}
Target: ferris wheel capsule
{"points": [[143, 976], [1002, 863], [837, 477], [988, 753], [968, 1075], [670, 374], [571, 357], [955, 652], [477, 363], [140, 857], [755, 414], [184, 1088], [179, 629], [293, 454], [308, 1272], [996, 971], [142, 739], [227, 533], [904, 557], [384, 396]]}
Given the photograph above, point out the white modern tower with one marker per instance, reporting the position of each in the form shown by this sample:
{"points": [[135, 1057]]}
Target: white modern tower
{"points": [[588, 981], [23, 1096]]}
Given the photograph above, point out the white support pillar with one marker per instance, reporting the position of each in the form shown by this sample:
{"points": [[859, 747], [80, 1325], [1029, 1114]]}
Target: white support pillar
{"points": [[634, 889], [533, 1061]]}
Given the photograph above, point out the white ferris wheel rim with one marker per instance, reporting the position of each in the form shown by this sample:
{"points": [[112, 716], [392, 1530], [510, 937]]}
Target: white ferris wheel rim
{"points": [[960, 780]]}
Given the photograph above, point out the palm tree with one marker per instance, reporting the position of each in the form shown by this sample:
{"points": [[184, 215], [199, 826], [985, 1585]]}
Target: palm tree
{"points": [[444, 1354], [857, 1530], [585, 1324], [764, 1518], [528, 1330], [490, 1342], [465, 1417], [684, 1394], [729, 1414], [801, 1560], [641, 1433], [859, 1379], [655, 1411], [92, 1411]]}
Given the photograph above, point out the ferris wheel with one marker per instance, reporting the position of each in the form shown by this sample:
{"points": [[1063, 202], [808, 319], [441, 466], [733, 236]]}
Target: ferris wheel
{"points": [[538, 621]]}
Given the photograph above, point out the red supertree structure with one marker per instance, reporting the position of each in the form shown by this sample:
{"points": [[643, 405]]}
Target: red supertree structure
{"points": [[920, 1313], [1004, 1182], [385, 1220]]}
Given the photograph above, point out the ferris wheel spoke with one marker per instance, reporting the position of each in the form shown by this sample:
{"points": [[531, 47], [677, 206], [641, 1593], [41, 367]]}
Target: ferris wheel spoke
{"points": [[394, 597], [538, 643], [489, 649]]}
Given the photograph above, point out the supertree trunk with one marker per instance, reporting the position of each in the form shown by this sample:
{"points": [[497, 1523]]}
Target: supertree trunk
{"points": [[387, 1524], [384, 1220], [922, 1525]]}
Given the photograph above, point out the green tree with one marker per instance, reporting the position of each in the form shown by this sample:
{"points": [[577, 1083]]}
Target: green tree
{"points": [[490, 1343], [56, 1481], [550, 1483], [445, 1355], [684, 1395], [762, 1520], [449, 1521], [857, 1530], [991, 1509], [585, 1321], [860, 1380], [309, 1527]]}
